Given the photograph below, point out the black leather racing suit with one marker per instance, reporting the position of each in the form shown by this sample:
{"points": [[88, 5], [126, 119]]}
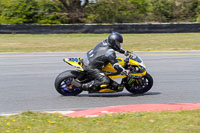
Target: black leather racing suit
{"points": [[96, 59]]}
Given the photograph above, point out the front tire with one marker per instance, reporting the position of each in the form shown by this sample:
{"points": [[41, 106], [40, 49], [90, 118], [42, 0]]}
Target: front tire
{"points": [[63, 84], [141, 85]]}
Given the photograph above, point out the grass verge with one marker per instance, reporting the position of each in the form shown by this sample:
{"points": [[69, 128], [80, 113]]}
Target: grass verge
{"points": [[84, 42], [144, 122]]}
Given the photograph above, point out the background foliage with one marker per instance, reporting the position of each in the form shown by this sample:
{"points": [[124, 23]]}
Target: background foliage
{"points": [[104, 11]]}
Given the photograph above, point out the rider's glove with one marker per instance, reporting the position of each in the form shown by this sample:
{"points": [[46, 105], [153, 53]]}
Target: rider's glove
{"points": [[124, 72], [127, 53]]}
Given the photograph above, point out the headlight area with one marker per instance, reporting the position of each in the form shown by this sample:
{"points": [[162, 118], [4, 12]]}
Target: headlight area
{"points": [[137, 69], [142, 68]]}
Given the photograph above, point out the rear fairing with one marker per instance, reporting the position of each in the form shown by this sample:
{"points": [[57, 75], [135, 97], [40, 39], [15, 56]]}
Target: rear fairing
{"points": [[75, 62]]}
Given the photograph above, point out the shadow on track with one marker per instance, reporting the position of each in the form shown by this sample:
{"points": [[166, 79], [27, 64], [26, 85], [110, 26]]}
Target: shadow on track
{"points": [[120, 94]]}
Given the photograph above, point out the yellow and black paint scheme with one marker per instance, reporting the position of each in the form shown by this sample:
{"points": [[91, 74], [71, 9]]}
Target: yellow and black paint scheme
{"points": [[109, 68], [135, 63], [76, 62], [107, 91]]}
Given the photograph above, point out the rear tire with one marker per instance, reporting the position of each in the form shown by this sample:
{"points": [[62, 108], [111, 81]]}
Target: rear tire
{"points": [[63, 85], [140, 86]]}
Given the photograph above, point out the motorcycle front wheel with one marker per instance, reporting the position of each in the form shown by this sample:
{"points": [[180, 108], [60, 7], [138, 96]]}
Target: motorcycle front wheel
{"points": [[63, 84], [140, 85]]}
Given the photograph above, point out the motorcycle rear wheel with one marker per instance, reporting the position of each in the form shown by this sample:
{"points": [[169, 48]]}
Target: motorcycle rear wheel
{"points": [[140, 86], [63, 85]]}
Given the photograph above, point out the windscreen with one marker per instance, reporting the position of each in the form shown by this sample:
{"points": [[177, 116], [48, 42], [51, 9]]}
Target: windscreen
{"points": [[136, 58]]}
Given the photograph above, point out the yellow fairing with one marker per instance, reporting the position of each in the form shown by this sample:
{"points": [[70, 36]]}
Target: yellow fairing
{"points": [[109, 68], [107, 91], [103, 86], [122, 76], [134, 63], [139, 74], [117, 76], [74, 62]]}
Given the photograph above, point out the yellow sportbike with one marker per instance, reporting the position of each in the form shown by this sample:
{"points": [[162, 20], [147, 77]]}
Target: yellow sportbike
{"points": [[136, 81]]}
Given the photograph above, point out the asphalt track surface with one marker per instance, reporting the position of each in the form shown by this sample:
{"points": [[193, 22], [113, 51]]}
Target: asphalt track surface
{"points": [[27, 82]]}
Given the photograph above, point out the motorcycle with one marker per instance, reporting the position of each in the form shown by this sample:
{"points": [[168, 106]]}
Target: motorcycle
{"points": [[136, 81]]}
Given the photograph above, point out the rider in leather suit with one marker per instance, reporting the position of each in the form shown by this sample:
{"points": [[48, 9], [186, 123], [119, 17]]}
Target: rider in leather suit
{"points": [[98, 57]]}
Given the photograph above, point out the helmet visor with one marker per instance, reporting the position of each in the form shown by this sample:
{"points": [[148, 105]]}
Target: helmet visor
{"points": [[118, 44]]}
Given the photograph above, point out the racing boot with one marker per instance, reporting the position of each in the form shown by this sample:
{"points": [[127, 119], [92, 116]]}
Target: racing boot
{"points": [[85, 87], [88, 86]]}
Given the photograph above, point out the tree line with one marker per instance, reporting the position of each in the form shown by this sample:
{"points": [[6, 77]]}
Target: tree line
{"points": [[103, 11]]}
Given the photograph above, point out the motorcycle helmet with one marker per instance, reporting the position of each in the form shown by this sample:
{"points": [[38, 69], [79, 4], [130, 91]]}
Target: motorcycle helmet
{"points": [[115, 40]]}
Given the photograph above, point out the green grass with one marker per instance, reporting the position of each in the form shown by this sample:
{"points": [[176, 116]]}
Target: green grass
{"points": [[84, 42], [144, 122]]}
